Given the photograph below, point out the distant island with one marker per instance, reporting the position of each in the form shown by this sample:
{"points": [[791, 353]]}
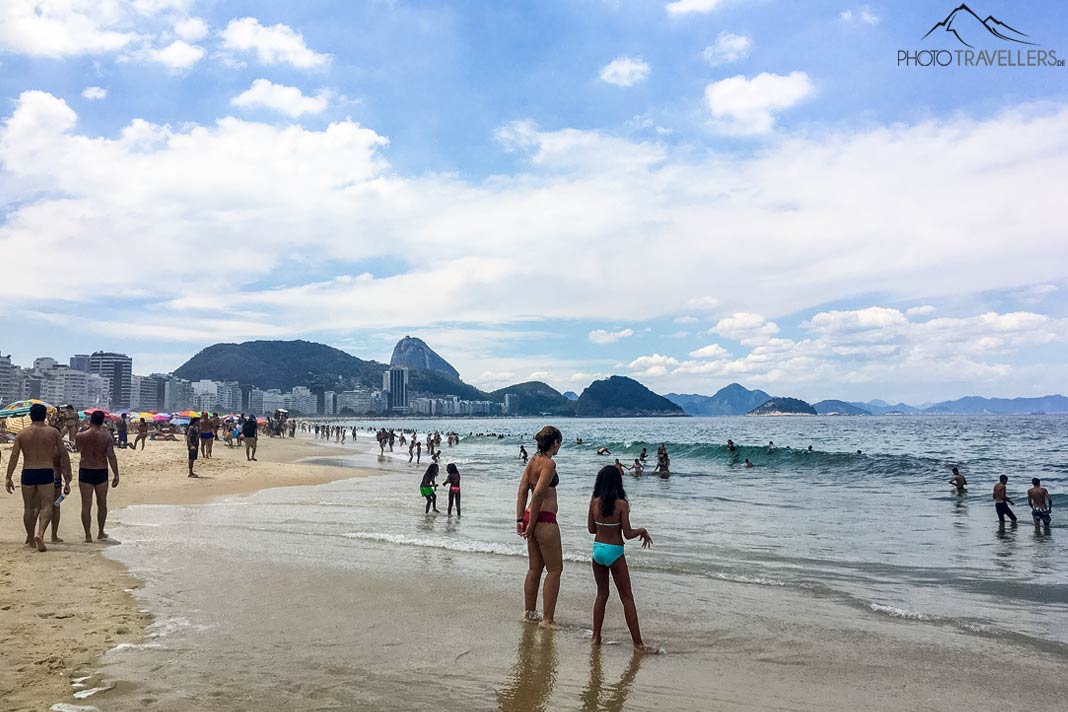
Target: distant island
{"points": [[784, 406]]}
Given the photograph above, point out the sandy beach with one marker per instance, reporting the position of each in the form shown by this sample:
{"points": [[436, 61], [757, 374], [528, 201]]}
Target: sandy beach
{"points": [[301, 598], [62, 609]]}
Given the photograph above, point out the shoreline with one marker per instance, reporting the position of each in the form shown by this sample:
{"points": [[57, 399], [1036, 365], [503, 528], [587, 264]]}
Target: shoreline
{"points": [[72, 604]]}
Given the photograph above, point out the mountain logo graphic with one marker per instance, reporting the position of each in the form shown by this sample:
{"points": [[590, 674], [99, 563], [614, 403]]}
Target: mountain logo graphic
{"points": [[968, 28]]}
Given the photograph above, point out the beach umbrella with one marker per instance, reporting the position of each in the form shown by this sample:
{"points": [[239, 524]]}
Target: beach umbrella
{"points": [[189, 414], [179, 420], [17, 415], [161, 417], [146, 415], [261, 421]]}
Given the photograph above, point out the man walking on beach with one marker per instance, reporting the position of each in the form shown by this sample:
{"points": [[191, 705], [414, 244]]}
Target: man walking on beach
{"points": [[68, 423], [39, 444], [248, 430], [98, 451], [192, 443], [124, 432], [142, 433], [1002, 502], [1041, 502]]}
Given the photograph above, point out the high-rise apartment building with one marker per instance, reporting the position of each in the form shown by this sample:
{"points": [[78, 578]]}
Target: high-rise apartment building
{"points": [[118, 368], [395, 382]]}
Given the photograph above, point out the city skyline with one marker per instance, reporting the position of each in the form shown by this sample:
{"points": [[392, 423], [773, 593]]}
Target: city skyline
{"points": [[687, 193]]}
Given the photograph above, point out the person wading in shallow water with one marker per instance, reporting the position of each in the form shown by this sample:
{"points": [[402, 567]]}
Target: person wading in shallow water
{"points": [[536, 523], [609, 520]]}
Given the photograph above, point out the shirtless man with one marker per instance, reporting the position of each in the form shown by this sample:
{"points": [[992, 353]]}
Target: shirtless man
{"points": [[39, 444], [98, 451], [958, 481], [68, 423], [142, 433], [1041, 502], [192, 443], [1002, 502]]}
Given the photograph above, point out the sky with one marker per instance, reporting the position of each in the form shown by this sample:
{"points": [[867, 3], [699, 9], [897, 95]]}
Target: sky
{"points": [[688, 192]]}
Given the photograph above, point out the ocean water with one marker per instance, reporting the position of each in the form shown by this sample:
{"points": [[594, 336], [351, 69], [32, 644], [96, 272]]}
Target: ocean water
{"points": [[807, 556], [881, 530]]}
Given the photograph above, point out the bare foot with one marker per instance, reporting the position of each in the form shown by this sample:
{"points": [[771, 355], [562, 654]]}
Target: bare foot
{"points": [[645, 649], [101, 535], [531, 616], [29, 542], [56, 540], [88, 539], [39, 543], [191, 474], [548, 625]]}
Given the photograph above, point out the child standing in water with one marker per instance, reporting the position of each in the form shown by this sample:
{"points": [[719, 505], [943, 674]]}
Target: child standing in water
{"points": [[609, 521], [452, 480], [427, 487]]}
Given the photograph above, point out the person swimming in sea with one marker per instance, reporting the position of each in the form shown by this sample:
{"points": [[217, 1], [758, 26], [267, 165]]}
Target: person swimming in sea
{"points": [[731, 447], [637, 468], [958, 481], [1040, 501], [643, 455], [452, 481], [748, 464], [603, 451], [427, 486], [608, 519], [523, 454]]}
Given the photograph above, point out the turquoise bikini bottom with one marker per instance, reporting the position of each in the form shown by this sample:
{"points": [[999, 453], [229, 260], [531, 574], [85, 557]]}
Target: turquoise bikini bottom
{"points": [[606, 554]]}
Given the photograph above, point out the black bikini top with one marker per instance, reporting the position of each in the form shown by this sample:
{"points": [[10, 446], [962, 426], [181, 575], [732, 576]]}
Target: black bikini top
{"points": [[553, 484]]}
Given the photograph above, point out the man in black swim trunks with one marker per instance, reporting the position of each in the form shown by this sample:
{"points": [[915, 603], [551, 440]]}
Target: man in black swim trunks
{"points": [[1002, 501], [98, 451], [40, 445]]}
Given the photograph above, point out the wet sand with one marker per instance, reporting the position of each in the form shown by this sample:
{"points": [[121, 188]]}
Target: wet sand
{"points": [[61, 609], [247, 621]]}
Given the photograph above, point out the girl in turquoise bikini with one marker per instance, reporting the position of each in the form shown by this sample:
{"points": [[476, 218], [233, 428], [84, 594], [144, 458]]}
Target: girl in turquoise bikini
{"points": [[609, 521]]}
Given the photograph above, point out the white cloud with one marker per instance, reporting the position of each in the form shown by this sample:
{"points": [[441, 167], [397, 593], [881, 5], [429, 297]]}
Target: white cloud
{"points": [[191, 29], [277, 44], [705, 303], [745, 106], [601, 336], [745, 327], [687, 7], [652, 366], [94, 93], [862, 15], [287, 100], [539, 376], [625, 71], [328, 200], [60, 28], [710, 351], [728, 48], [923, 310], [850, 350], [177, 55], [685, 320]]}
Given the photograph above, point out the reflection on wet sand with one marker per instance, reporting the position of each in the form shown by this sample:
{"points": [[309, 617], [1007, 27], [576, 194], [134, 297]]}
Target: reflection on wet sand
{"points": [[597, 698], [531, 680]]}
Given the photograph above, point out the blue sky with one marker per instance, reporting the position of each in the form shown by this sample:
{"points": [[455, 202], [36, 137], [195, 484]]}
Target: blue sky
{"points": [[559, 190]]}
